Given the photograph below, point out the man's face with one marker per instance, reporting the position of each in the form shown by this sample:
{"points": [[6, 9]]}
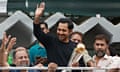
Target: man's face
{"points": [[100, 47], [76, 38], [44, 29], [63, 32], [21, 58]]}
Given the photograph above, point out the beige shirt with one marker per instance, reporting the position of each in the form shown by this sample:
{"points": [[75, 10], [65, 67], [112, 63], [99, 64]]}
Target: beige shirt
{"points": [[115, 62], [106, 61], [103, 62]]}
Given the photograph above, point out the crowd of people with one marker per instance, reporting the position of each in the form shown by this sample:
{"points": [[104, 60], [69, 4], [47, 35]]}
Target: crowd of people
{"points": [[54, 52]]}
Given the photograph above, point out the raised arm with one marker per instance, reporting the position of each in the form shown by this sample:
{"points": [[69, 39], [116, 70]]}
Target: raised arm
{"points": [[38, 12], [6, 46], [40, 35]]}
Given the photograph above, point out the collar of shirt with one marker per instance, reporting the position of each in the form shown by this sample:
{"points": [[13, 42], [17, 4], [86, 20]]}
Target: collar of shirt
{"points": [[37, 46], [104, 58], [104, 61]]}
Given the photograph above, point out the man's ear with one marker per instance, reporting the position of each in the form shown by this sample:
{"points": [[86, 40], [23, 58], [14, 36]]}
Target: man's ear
{"points": [[48, 30], [70, 31]]}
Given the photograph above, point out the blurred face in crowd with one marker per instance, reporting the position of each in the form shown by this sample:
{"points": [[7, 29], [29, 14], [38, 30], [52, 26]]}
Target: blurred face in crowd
{"points": [[76, 38], [100, 47], [44, 28], [21, 58], [63, 32]]}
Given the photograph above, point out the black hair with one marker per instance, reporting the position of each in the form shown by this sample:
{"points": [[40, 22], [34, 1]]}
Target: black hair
{"points": [[42, 22], [66, 20], [112, 51], [102, 37], [115, 49]]}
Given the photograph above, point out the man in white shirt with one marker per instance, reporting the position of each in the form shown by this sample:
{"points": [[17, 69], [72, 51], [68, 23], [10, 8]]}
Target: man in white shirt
{"points": [[101, 59]]}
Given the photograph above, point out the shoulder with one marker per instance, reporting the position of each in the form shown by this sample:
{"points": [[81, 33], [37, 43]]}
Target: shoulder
{"points": [[35, 46]]}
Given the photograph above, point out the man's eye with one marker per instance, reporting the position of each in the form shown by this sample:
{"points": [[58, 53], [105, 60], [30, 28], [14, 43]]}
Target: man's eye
{"points": [[100, 44]]}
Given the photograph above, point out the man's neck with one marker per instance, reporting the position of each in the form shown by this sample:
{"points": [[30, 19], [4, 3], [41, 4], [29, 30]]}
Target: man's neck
{"points": [[97, 59], [65, 41]]}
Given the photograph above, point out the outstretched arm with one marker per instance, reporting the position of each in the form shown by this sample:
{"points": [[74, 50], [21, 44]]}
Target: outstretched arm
{"points": [[6, 46], [40, 35], [38, 12]]}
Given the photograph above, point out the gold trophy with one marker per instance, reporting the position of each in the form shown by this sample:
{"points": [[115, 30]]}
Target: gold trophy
{"points": [[77, 53]]}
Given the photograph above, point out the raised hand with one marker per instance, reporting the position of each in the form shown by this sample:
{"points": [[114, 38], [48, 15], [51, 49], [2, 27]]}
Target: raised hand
{"points": [[40, 8], [38, 12], [5, 40], [11, 43], [4, 50]]}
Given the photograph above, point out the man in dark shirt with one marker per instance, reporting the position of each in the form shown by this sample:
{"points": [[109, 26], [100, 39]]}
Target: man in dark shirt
{"points": [[59, 49]]}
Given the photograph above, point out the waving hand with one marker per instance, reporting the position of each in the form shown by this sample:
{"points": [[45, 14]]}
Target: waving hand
{"points": [[6, 46], [38, 12]]}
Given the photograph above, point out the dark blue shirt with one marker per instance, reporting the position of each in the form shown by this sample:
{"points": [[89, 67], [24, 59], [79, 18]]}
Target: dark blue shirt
{"points": [[57, 51]]}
